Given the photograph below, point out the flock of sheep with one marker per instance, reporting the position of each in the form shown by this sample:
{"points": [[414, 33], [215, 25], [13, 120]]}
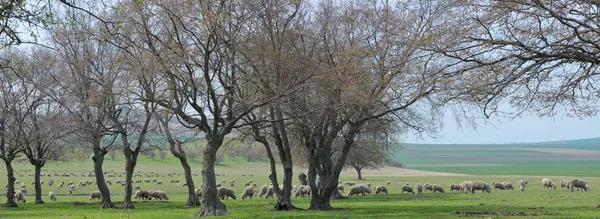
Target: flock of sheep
{"points": [[267, 191]]}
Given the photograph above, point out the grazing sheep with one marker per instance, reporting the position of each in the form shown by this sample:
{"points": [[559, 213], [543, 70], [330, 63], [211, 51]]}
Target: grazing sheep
{"points": [[138, 188], [508, 186], [70, 192], [163, 195], [223, 182], [408, 189], [484, 187], [438, 188], [580, 184], [19, 196], [159, 183], [522, 184], [454, 187], [548, 184], [95, 195], [387, 183], [380, 189], [263, 191], [231, 184], [155, 194], [564, 183], [198, 193], [302, 191], [24, 190], [248, 192], [226, 193], [270, 192], [359, 189], [52, 196], [419, 189], [498, 185], [340, 188], [428, 186]]}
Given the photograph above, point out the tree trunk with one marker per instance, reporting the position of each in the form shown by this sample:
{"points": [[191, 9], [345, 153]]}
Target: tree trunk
{"points": [[130, 162], [187, 170], [38, 185], [10, 194], [211, 205], [359, 172], [284, 201], [98, 159]]}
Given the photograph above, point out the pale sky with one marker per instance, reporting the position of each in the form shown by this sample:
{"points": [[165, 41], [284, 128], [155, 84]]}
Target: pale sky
{"points": [[524, 129]]}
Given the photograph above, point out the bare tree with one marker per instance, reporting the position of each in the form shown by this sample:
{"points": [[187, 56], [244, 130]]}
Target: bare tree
{"points": [[375, 63], [90, 70], [534, 55]]}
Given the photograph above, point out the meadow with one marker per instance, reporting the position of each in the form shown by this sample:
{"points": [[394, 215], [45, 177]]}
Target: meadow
{"points": [[535, 202]]}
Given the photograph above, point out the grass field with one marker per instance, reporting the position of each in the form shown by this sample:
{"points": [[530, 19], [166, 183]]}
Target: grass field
{"points": [[534, 203]]}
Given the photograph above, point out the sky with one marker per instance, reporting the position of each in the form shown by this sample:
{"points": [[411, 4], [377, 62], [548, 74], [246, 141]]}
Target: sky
{"points": [[526, 129]]}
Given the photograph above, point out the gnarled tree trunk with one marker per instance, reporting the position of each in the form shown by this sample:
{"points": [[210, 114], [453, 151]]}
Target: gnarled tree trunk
{"points": [[187, 170], [98, 159], [10, 194], [130, 163], [359, 172], [211, 205]]}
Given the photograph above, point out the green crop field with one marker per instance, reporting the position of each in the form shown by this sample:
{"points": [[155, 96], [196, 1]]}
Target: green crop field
{"points": [[476, 163]]}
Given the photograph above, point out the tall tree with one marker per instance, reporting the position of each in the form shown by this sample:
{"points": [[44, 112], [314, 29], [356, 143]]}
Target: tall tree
{"points": [[376, 62], [86, 78]]}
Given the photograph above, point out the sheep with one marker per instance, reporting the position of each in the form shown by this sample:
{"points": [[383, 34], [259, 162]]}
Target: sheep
{"points": [[406, 188], [60, 185], [454, 187], [163, 195], [302, 191], [223, 182], [548, 184], [359, 189], [24, 190], [522, 184], [580, 184], [248, 192], [155, 194], [159, 183], [231, 184], [95, 195], [387, 183], [270, 192], [226, 193], [428, 186], [380, 189], [52, 196], [138, 188], [340, 187], [438, 188], [263, 190], [508, 186], [484, 187], [419, 189], [497, 185], [19, 196], [198, 193], [247, 184], [564, 183]]}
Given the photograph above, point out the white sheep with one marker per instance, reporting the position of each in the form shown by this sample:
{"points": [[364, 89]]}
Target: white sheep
{"points": [[263, 191], [270, 192], [380, 189], [302, 191], [454, 187], [248, 192], [548, 184], [340, 188], [359, 189], [419, 189], [564, 183], [522, 184], [406, 188], [484, 187], [438, 188], [52, 196], [19, 196]]}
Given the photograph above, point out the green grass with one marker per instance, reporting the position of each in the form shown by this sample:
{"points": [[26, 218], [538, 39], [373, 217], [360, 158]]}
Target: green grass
{"points": [[498, 204]]}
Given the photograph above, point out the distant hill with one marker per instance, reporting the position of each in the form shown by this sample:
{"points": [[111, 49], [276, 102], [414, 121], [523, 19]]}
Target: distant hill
{"points": [[588, 141]]}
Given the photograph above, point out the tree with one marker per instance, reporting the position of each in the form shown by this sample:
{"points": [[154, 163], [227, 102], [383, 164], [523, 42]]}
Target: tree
{"points": [[534, 55], [198, 62], [15, 15], [163, 155], [46, 124], [375, 62], [88, 70], [175, 146]]}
